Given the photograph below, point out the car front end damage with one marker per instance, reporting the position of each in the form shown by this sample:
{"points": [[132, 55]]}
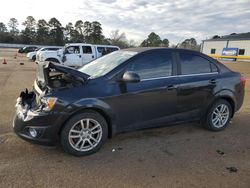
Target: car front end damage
{"points": [[39, 115]]}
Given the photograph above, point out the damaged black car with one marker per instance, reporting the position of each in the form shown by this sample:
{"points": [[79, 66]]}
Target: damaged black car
{"points": [[126, 90]]}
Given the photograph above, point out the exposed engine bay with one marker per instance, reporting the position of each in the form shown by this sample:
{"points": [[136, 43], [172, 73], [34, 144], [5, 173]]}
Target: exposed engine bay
{"points": [[60, 80], [56, 76]]}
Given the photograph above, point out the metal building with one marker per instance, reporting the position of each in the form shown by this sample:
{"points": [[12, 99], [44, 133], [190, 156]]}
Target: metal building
{"points": [[231, 45]]}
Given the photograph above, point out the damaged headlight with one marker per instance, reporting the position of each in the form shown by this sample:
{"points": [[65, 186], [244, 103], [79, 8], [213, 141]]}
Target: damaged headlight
{"points": [[48, 103]]}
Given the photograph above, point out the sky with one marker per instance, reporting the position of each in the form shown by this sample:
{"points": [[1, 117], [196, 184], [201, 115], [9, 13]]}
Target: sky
{"points": [[175, 20]]}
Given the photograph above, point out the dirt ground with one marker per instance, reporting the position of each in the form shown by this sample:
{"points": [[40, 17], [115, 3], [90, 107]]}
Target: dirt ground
{"points": [[184, 155]]}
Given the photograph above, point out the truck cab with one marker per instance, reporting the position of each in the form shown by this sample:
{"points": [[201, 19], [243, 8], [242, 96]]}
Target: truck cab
{"points": [[77, 54]]}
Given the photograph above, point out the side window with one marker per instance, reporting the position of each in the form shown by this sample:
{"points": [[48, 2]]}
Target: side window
{"points": [[100, 49], [213, 68], [72, 50], [193, 64], [111, 49], [87, 49], [153, 65]]}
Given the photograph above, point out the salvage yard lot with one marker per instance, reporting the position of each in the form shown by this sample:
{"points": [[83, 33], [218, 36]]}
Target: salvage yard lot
{"points": [[185, 155]]}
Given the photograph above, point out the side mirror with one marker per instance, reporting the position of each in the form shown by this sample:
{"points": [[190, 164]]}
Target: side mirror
{"points": [[130, 76]]}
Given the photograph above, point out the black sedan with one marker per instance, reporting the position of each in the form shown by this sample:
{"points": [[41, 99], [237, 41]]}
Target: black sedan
{"points": [[27, 49], [126, 90]]}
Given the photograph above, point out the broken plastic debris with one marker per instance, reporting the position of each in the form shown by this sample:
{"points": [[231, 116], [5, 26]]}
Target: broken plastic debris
{"points": [[220, 152], [232, 169], [113, 150]]}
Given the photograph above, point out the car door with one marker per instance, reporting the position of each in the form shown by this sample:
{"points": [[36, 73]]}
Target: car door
{"points": [[88, 54], [152, 100], [72, 56], [197, 80]]}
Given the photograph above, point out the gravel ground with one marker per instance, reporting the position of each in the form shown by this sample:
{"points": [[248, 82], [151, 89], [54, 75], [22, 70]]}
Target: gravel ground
{"points": [[184, 155]]}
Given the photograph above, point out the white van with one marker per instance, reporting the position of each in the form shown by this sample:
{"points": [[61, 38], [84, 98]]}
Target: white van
{"points": [[76, 54]]}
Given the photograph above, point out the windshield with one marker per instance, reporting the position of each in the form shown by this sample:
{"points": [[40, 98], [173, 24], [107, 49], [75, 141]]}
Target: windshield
{"points": [[106, 63]]}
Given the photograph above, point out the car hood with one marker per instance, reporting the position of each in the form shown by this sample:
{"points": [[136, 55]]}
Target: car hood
{"points": [[44, 68]]}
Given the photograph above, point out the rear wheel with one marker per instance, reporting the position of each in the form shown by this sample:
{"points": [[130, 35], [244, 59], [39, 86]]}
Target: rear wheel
{"points": [[84, 134], [219, 115]]}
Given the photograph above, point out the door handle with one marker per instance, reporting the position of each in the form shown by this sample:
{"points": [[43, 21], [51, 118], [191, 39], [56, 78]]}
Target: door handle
{"points": [[213, 81], [79, 56], [171, 87], [92, 57]]}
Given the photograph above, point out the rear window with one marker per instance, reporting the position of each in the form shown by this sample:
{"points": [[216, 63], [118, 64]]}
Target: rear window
{"points": [[87, 49], [194, 64]]}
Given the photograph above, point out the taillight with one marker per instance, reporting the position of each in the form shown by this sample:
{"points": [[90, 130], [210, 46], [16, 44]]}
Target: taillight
{"points": [[243, 81]]}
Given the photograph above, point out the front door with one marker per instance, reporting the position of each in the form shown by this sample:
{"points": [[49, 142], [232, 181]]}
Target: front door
{"points": [[152, 100], [72, 56]]}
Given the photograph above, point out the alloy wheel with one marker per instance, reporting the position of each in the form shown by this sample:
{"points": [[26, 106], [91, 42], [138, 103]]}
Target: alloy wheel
{"points": [[220, 116], [85, 134]]}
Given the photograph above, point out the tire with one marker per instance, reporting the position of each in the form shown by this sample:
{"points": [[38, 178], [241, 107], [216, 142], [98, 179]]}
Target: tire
{"points": [[76, 135], [52, 60], [221, 120], [34, 58]]}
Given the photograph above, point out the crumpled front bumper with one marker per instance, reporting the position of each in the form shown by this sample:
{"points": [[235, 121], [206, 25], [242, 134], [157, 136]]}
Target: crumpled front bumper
{"points": [[47, 124]]}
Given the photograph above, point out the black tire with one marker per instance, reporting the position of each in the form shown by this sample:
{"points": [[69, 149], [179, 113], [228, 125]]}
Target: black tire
{"points": [[209, 117], [53, 60], [65, 140], [34, 58]]}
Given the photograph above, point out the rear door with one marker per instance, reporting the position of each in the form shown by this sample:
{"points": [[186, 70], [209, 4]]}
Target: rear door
{"points": [[197, 80], [88, 54]]}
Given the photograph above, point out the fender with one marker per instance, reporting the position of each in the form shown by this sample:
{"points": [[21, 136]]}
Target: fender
{"points": [[54, 59], [226, 94], [98, 105]]}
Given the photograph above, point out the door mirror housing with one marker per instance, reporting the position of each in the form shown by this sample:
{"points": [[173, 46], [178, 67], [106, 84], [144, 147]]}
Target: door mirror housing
{"points": [[130, 76]]}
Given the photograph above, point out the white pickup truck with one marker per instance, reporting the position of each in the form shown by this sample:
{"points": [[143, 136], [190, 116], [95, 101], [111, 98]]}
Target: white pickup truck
{"points": [[32, 55], [76, 54]]}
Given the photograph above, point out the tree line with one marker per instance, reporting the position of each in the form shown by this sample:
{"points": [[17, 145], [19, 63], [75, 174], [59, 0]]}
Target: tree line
{"points": [[53, 33]]}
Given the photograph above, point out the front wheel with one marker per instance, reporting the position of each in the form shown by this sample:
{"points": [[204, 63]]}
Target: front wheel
{"points": [[219, 115], [84, 134]]}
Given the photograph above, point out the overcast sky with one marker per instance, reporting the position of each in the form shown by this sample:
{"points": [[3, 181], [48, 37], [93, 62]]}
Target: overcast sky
{"points": [[172, 19]]}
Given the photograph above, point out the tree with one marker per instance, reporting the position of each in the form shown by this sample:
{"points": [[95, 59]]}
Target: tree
{"points": [[153, 40], [69, 32], [118, 39], [13, 23], [29, 33], [3, 28], [215, 37], [87, 31], [165, 43], [79, 30], [4, 35], [42, 32], [56, 32], [96, 36], [189, 44]]}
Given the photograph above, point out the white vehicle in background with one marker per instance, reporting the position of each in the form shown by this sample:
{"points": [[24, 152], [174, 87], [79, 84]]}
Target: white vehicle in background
{"points": [[76, 54], [32, 55]]}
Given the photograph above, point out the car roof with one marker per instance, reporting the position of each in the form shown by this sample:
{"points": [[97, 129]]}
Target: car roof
{"points": [[144, 49]]}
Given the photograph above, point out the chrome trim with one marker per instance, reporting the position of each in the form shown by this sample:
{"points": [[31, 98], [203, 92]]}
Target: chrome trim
{"points": [[37, 88], [183, 75]]}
